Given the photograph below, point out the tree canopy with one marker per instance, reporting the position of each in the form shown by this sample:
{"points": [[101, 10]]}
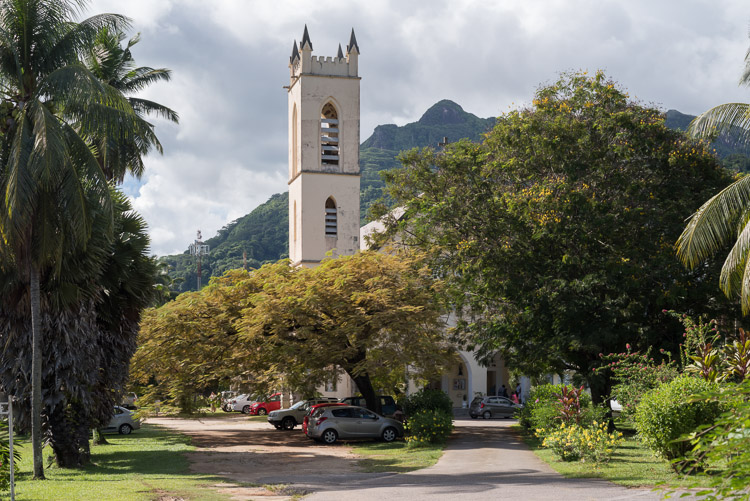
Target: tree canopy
{"points": [[556, 232], [374, 316]]}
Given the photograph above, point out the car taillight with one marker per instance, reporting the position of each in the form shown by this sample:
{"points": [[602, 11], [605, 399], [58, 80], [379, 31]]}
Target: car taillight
{"points": [[321, 419], [481, 406]]}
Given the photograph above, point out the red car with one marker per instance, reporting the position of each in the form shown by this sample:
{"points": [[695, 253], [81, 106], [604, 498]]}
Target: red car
{"points": [[262, 408], [313, 409]]}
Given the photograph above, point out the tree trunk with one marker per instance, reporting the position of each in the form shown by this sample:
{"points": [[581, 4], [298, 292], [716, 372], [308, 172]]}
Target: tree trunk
{"points": [[69, 430], [368, 392], [36, 373], [99, 437]]}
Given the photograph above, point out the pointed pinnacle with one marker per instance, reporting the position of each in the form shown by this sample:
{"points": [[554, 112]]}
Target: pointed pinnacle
{"points": [[340, 55], [295, 52], [305, 39], [352, 43]]}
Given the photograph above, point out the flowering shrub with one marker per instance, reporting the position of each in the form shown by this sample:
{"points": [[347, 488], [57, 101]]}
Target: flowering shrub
{"points": [[572, 442], [634, 374], [549, 405], [428, 427]]}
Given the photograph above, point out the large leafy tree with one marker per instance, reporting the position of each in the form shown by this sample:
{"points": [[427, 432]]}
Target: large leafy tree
{"points": [[556, 231], [370, 315]]}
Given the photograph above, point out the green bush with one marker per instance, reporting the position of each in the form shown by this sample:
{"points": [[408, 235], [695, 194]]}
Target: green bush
{"points": [[427, 400], [428, 427], [666, 413], [541, 410]]}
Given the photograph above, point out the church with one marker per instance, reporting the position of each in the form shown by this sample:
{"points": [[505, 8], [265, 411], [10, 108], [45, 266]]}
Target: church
{"points": [[324, 191]]}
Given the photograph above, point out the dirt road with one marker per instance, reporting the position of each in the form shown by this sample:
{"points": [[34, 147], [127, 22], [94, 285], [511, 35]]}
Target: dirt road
{"points": [[242, 450]]}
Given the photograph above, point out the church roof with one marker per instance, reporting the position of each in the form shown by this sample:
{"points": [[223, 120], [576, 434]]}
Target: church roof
{"points": [[295, 53], [305, 39], [352, 43]]}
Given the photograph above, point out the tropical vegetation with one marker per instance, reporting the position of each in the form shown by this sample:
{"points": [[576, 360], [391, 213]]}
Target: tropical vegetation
{"points": [[582, 195], [73, 254]]}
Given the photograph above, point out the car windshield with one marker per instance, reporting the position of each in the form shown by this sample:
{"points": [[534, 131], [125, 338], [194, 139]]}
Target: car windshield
{"points": [[299, 404]]}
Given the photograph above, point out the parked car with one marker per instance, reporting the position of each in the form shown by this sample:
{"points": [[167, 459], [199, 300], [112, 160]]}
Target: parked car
{"points": [[489, 407], [242, 403], [291, 417], [262, 408], [122, 422], [387, 404], [129, 400], [312, 411], [329, 424]]}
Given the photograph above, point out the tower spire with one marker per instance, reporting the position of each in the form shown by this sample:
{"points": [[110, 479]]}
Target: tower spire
{"points": [[340, 55], [305, 39], [352, 43], [295, 53]]}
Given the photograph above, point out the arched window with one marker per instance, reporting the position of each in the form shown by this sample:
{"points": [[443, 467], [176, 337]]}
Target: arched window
{"points": [[331, 218], [295, 142], [329, 135]]}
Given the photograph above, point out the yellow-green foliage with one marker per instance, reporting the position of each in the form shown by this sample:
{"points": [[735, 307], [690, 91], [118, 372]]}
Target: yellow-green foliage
{"points": [[578, 443], [428, 427]]}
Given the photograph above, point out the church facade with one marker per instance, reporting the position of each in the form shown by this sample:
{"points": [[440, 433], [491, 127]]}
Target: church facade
{"points": [[324, 176]]}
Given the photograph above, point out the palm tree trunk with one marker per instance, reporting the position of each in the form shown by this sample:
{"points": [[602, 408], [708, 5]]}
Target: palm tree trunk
{"points": [[36, 373]]}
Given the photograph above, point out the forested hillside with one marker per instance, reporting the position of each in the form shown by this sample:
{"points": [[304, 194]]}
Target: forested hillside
{"points": [[263, 233]]}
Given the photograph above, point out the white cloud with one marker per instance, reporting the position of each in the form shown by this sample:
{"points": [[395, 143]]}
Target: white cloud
{"points": [[229, 60]]}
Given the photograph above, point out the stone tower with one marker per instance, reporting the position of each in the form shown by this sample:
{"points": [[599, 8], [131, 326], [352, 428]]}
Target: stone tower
{"points": [[323, 153]]}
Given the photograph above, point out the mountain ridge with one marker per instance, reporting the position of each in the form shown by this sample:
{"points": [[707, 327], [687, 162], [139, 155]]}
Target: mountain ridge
{"points": [[263, 233]]}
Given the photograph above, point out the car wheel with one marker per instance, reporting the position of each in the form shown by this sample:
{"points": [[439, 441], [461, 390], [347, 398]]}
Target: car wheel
{"points": [[288, 423], [329, 436], [125, 429], [262, 411], [487, 415], [246, 409], [389, 434], [226, 408]]}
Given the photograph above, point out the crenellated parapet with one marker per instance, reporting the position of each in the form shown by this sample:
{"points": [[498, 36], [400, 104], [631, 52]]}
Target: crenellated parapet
{"points": [[302, 62]]}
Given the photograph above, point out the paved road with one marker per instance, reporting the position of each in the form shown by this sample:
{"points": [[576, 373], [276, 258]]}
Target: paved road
{"points": [[485, 460]]}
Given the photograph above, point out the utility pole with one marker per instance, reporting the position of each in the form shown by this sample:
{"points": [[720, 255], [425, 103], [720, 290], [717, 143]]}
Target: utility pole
{"points": [[199, 249]]}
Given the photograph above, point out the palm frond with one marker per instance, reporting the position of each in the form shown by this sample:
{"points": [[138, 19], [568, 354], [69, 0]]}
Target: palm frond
{"points": [[146, 107], [713, 223], [732, 119], [140, 78], [732, 272]]}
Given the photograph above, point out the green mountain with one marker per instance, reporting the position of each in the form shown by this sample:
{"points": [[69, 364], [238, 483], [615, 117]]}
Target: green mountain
{"points": [[263, 233], [733, 156]]}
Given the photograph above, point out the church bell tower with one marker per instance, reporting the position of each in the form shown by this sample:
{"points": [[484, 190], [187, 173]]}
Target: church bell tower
{"points": [[323, 153]]}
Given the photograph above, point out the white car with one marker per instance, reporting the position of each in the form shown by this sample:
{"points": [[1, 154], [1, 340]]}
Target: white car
{"points": [[242, 403], [122, 422]]}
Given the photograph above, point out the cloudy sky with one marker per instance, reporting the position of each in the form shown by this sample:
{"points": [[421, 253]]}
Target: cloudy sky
{"points": [[229, 61]]}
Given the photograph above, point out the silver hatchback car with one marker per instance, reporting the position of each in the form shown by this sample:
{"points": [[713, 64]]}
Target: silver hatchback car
{"points": [[122, 422], [328, 424], [489, 407]]}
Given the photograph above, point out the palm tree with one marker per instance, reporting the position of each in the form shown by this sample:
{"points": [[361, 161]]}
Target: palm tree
{"points": [[114, 64], [725, 216], [48, 172]]}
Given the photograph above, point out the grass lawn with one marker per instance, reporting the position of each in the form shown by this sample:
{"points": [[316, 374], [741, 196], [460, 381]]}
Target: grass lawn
{"points": [[632, 465], [397, 457], [142, 466]]}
